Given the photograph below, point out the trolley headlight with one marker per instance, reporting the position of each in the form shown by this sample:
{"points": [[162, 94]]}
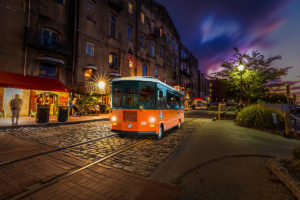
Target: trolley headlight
{"points": [[152, 119], [113, 118]]}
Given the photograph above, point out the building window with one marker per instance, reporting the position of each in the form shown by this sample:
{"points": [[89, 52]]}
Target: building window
{"points": [[48, 70], [61, 1], [142, 17], [155, 72], [88, 73], [112, 31], [130, 63], [113, 61], [160, 52], [172, 43], [176, 46], [90, 48], [144, 70], [142, 40], [152, 48], [160, 32], [152, 27], [91, 10], [167, 56], [130, 8], [167, 38], [129, 35], [50, 39]]}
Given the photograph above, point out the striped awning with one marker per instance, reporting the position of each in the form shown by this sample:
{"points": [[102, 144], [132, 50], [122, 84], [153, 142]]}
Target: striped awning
{"points": [[90, 66], [50, 59]]}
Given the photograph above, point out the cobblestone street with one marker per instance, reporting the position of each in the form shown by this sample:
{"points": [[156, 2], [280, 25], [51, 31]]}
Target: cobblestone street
{"points": [[142, 160]]}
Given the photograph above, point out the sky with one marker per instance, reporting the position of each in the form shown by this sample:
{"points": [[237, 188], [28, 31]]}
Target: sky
{"points": [[210, 29]]}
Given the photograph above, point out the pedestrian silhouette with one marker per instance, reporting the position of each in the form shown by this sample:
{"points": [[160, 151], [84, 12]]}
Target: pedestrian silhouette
{"points": [[15, 106]]}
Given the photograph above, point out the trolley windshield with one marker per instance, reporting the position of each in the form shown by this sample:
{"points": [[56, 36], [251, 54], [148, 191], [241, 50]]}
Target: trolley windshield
{"points": [[133, 94]]}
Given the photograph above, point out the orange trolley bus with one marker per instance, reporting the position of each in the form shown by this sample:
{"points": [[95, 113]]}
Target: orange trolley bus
{"points": [[145, 105]]}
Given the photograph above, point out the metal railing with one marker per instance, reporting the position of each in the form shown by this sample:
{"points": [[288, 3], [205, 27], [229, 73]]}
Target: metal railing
{"points": [[294, 125], [35, 39]]}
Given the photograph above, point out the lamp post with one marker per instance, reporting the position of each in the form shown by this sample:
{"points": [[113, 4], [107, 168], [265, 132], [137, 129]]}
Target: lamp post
{"points": [[241, 68]]}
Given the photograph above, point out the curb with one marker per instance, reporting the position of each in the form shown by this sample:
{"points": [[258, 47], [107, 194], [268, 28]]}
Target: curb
{"points": [[283, 175], [51, 124]]}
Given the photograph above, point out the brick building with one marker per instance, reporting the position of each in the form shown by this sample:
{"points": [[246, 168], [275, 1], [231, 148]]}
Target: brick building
{"points": [[125, 38], [79, 42], [35, 42]]}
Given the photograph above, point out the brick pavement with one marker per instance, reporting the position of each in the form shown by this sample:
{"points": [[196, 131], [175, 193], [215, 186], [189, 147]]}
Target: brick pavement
{"points": [[96, 182], [26, 121]]}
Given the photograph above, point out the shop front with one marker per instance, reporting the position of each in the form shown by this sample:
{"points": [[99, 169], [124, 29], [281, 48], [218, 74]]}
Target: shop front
{"points": [[34, 91]]}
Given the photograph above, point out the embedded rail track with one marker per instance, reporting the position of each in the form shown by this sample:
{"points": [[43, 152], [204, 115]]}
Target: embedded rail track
{"points": [[74, 171], [55, 150]]}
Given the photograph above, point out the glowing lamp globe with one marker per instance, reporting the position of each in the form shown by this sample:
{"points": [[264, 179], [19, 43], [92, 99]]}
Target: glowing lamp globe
{"points": [[101, 84], [241, 67]]}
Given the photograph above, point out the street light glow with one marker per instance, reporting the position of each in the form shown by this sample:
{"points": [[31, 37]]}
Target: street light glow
{"points": [[101, 84], [241, 67]]}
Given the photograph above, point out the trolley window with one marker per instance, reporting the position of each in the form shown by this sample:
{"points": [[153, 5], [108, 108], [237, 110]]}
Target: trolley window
{"points": [[117, 97], [173, 101], [130, 97], [147, 97]]}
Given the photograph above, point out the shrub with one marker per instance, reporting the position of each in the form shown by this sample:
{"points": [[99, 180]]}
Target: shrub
{"points": [[259, 116], [296, 153]]}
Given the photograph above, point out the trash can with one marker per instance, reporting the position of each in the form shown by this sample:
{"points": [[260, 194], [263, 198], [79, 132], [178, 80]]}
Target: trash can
{"points": [[62, 114], [42, 114], [102, 108]]}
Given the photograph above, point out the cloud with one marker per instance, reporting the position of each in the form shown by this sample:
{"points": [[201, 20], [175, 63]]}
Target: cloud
{"points": [[212, 28], [291, 83]]}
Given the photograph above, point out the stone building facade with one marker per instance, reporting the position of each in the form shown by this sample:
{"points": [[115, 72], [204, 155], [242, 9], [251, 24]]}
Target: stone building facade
{"points": [[79, 42], [36, 38], [35, 42], [125, 38]]}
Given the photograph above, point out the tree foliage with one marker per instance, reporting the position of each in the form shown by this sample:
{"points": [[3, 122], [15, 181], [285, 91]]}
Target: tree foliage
{"points": [[258, 77]]}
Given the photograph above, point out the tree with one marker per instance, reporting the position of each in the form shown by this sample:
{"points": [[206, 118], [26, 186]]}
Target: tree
{"points": [[257, 79]]}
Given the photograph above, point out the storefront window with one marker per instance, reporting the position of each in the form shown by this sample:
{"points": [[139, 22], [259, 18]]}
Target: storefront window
{"points": [[88, 73]]}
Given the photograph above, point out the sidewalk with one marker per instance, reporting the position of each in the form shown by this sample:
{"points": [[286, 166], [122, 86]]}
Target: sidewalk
{"points": [[25, 121], [95, 182], [224, 161]]}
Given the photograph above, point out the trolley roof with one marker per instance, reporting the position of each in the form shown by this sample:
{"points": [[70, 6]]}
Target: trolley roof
{"points": [[145, 79]]}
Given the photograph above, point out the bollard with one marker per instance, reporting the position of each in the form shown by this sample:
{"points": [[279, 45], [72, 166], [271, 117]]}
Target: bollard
{"points": [[219, 111], [287, 123]]}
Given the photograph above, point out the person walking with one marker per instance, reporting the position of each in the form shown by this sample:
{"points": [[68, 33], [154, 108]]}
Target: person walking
{"points": [[15, 106]]}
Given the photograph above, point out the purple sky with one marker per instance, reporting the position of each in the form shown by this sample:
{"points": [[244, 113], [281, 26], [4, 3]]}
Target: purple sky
{"points": [[210, 29]]}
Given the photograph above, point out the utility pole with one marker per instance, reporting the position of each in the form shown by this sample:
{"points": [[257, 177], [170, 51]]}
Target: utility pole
{"points": [[294, 112], [287, 112]]}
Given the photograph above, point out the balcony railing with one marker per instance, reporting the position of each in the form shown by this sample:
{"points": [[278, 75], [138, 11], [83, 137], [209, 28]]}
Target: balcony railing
{"points": [[186, 72], [117, 5], [35, 39]]}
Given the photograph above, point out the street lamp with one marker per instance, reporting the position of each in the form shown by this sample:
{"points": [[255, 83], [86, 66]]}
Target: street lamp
{"points": [[101, 85], [241, 68]]}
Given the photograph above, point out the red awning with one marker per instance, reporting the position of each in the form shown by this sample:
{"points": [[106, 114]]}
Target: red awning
{"points": [[12, 80], [198, 99]]}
